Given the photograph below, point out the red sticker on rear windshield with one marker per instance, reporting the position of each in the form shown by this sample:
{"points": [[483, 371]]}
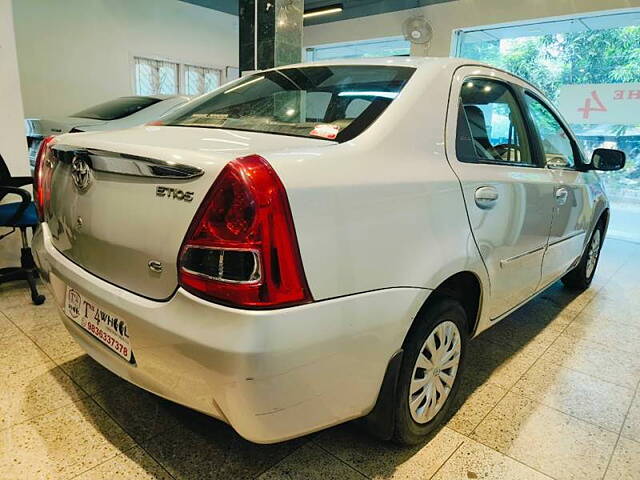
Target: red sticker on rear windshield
{"points": [[325, 131]]}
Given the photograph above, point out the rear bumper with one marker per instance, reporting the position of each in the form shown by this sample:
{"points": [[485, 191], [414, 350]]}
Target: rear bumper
{"points": [[272, 375]]}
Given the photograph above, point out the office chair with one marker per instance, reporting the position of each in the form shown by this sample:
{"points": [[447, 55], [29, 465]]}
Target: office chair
{"points": [[21, 215]]}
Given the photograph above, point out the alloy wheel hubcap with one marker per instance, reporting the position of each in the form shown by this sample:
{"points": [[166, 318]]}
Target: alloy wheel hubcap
{"points": [[434, 372], [594, 251]]}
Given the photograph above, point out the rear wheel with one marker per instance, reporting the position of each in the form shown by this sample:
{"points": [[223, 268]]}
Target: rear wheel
{"points": [[581, 276], [431, 367]]}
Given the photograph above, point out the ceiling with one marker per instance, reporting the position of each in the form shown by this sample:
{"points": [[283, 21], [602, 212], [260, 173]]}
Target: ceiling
{"points": [[351, 8], [226, 6], [544, 27]]}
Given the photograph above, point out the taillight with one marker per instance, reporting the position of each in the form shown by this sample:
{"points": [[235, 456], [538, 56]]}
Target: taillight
{"points": [[42, 175], [241, 248]]}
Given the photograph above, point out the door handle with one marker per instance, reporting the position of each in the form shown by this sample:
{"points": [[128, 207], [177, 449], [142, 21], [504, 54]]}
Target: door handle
{"points": [[486, 197], [561, 196]]}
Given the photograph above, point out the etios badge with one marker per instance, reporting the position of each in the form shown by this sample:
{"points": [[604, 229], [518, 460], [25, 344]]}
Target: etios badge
{"points": [[80, 173]]}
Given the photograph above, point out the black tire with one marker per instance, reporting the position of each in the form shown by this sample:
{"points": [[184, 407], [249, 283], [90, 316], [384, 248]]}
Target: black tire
{"points": [[407, 430], [580, 278]]}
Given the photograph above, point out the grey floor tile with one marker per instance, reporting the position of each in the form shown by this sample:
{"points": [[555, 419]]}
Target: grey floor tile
{"points": [[546, 440], [611, 334], [88, 373], [7, 328], [531, 333], [308, 463], [205, 448], [134, 464], [476, 461], [381, 460], [35, 391], [141, 414], [473, 403], [18, 352], [631, 428], [625, 463], [502, 365], [616, 309], [580, 395], [595, 359], [61, 444], [15, 294], [568, 301], [31, 317], [55, 341]]}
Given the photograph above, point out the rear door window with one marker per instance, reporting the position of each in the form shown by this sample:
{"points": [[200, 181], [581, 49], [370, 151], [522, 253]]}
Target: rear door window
{"points": [[491, 127]]}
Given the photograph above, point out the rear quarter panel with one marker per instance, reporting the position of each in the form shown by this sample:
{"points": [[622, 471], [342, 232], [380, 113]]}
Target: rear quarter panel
{"points": [[384, 210]]}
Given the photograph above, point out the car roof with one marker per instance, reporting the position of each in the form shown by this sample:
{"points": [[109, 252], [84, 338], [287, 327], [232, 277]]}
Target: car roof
{"points": [[451, 63], [415, 62]]}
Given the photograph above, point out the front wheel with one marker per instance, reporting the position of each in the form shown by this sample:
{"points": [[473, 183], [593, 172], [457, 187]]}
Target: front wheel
{"points": [[433, 359], [581, 276]]}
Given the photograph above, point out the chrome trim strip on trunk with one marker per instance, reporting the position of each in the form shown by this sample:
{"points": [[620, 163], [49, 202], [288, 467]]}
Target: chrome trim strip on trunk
{"points": [[124, 164]]}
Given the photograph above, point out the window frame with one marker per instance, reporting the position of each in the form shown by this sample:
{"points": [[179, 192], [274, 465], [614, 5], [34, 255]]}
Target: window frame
{"points": [[182, 64], [137, 59], [579, 161], [517, 92], [183, 69]]}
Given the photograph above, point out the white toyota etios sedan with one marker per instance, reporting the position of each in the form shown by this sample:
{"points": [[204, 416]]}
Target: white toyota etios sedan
{"points": [[317, 243]]}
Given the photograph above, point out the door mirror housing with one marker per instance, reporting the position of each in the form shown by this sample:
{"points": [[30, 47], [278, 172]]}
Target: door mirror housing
{"points": [[607, 159]]}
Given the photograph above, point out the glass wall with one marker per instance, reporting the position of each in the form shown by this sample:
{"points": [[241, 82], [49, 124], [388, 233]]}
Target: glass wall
{"points": [[383, 47], [590, 68]]}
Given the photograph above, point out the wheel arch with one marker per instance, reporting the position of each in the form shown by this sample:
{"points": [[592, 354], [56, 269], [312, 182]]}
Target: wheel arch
{"points": [[604, 219], [465, 287]]}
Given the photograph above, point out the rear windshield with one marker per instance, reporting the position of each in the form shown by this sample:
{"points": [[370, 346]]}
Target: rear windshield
{"points": [[334, 102], [118, 108]]}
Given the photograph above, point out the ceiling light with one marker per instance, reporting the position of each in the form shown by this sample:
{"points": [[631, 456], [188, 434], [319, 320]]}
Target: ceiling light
{"points": [[326, 10]]}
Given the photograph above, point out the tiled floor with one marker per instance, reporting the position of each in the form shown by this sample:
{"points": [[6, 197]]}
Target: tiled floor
{"points": [[551, 392]]}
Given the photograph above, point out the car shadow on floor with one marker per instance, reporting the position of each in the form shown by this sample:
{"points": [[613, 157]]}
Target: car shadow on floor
{"points": [[192, 445]]}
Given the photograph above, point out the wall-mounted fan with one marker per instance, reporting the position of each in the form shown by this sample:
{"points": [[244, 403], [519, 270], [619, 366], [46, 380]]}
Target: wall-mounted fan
{"points": [[417, 30]]}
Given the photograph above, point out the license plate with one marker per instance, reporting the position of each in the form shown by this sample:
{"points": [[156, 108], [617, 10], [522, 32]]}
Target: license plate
{"points": [[107, 327]]}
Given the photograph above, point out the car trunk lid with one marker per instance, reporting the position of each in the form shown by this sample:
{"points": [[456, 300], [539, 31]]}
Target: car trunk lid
{"points": [[121, 202]]}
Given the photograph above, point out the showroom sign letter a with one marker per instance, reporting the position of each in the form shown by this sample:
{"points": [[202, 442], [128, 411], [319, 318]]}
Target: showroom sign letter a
{"points": [[587, 105]]}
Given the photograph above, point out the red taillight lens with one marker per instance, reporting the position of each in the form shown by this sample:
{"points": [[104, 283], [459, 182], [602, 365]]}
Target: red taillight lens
{"points": [[42, 175], [241, 248]]}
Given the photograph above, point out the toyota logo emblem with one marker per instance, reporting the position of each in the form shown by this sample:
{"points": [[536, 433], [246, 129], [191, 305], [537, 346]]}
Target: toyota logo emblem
{"points": [[81, 174]]}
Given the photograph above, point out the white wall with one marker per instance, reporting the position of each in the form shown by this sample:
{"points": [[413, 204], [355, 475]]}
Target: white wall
{"points": [[13, 146], [445, 17], [76, 53]]}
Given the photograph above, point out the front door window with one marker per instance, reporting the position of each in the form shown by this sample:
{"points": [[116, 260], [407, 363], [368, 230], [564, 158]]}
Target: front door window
{"points": [[556, 144]]}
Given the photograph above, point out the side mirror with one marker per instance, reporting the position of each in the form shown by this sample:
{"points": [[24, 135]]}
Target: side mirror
{"points": [[607, 159], [557, 161]]}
